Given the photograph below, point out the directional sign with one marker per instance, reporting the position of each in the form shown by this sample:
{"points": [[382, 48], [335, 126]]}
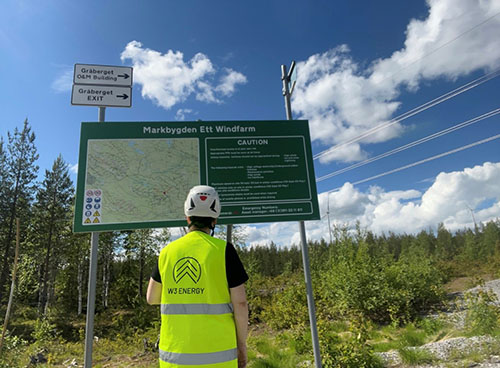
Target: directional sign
{"points": [[103, 75], [90, 95]]}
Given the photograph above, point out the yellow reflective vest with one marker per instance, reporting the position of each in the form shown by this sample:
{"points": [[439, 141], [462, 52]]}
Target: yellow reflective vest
{"points": [[197, 323]]}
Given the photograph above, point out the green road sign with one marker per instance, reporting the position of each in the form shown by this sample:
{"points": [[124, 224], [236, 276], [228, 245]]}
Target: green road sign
{"points": [[137, 175]]}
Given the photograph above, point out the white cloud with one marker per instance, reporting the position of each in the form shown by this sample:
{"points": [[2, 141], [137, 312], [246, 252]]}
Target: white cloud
{"points": [[229, 82], [181, 114], [168, 79], [63, 82], [341, 100], [74, 168], [449, 200]]}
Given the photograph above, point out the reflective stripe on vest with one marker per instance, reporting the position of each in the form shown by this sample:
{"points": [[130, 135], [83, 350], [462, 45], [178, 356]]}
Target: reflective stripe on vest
{"points": [[199, 359], [223, 308]]}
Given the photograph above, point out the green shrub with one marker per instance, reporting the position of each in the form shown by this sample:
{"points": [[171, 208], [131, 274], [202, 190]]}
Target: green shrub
{"points": [[288, 307], [431, 326], [482, 316], [12, 350], [43, 330], [260, 290], [379, 288], [300, 339], [352, 350]]}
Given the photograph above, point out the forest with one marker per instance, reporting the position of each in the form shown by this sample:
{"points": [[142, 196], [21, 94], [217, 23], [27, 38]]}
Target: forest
{"points": [[364, 284]]}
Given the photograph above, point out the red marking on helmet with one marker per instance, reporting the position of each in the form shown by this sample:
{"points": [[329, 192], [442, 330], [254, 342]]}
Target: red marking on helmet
{"points": [[203, 198]]}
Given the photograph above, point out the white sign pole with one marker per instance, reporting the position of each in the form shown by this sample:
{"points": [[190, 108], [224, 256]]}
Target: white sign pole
{"points": [[285, 77], [94, 245]]}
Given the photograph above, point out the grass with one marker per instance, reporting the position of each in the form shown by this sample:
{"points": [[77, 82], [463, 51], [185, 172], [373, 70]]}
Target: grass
{"points": [[390, 337], [412, 356], [267, 351]]}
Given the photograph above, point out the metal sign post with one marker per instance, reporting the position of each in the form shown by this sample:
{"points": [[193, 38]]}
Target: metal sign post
{"points": [[94, 245], [98, 85], [286, 77]]}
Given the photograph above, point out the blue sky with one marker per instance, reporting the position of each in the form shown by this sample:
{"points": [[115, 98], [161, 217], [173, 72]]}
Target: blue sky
{"points": [[359, 65]]}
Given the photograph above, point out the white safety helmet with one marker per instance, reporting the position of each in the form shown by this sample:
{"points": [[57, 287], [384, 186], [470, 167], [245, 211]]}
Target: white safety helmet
{"points": [[202, 201]]}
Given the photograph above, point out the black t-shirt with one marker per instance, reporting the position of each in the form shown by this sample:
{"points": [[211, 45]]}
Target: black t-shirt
{"points": [[235, 272]]}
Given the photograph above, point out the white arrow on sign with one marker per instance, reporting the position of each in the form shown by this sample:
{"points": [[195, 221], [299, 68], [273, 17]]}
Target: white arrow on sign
{"points": [[112, 96], [105, 75]]}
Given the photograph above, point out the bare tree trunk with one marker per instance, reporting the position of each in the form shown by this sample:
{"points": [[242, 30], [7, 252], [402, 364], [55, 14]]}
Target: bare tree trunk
{"points": [[51, 289], [104, 281], [45, 281], [106, 275], [141, 269], [5, 263], [40, 291], [12, 287]]}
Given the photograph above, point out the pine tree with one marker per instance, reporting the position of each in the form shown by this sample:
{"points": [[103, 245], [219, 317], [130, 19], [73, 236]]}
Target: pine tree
{"points": [[52, 219], [444, 243], [71, 276], [143, 246], [20, 176], [5, 185]]}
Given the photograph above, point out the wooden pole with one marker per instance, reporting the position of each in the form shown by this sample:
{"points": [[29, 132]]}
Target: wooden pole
{"points": [[12, 287]]}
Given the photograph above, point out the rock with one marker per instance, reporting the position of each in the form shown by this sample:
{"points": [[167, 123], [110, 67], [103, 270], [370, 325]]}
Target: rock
{"points": [[38, 358]]}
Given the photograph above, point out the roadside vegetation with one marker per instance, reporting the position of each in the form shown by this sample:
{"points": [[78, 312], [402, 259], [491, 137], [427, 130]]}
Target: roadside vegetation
{"points": [[373, 293]]}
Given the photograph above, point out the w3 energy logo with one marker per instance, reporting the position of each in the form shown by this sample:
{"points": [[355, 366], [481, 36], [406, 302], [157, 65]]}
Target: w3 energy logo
{"points": [[187, 268]]}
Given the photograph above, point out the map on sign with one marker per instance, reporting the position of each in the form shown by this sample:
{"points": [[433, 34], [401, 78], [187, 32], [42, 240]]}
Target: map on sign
{"points": [[139, 179]]}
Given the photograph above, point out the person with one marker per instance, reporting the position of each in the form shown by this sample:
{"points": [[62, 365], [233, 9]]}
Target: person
{"points": [[199, 282]]}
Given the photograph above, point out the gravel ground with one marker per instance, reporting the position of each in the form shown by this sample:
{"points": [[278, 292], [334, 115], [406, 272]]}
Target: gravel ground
{"points": [[450, 350], [493, 285]]}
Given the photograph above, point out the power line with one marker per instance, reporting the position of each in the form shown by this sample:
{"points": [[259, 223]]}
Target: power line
{"points": [[422, 161], [414, 111], [412, 144]]}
